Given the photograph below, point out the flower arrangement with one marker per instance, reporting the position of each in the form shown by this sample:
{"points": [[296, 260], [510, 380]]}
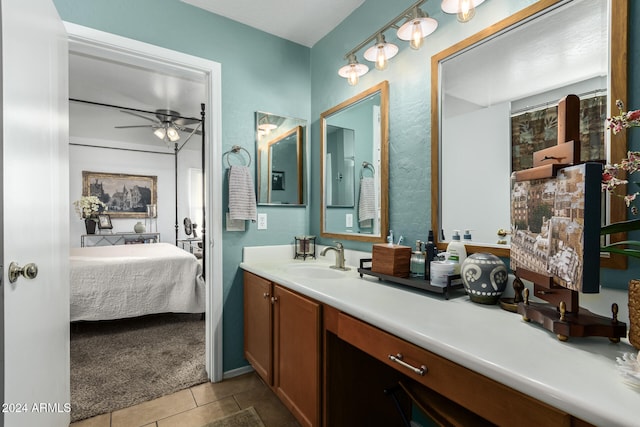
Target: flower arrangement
{"points": [[88, 206], [611, 181]]}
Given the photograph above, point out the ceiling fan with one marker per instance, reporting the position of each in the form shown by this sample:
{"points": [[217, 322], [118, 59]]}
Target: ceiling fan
{"points": [[166, 124]]}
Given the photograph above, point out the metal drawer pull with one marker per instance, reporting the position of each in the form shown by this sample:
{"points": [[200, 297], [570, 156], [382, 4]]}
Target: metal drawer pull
{"points": [[398, 359]]}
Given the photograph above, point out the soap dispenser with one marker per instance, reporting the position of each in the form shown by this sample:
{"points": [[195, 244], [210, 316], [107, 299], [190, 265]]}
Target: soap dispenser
{"points": [[466, 237], [457, 251]]}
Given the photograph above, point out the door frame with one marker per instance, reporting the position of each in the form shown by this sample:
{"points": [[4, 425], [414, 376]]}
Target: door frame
{"points": [[102, 44]]}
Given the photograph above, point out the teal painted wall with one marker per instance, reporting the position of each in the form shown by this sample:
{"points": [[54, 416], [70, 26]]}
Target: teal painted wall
{"points": [[409, 77], [260, 72], [295, 81]]}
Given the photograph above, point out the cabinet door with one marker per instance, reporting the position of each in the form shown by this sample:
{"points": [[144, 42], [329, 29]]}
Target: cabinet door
{"points": [[258, 338], [297, 354]]}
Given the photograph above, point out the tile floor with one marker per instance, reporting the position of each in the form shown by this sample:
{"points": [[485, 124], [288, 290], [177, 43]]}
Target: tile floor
{"points": [[199, 405]]}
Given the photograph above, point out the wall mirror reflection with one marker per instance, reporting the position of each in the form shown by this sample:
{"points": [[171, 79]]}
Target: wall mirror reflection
{"points": [[494, 98], [354, 163], [280, 143]]}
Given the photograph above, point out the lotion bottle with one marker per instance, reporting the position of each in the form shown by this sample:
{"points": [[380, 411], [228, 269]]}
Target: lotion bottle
{"points": [[457, 251]]}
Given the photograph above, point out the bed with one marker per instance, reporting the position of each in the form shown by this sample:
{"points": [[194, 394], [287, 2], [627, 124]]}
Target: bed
{"points": [[115, 282]]}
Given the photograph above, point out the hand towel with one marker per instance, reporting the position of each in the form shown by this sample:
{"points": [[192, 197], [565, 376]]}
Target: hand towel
{"points": [[242, 196], [367, 202]]}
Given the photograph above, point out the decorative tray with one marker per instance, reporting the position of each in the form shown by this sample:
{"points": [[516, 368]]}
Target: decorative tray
{"points": [[454, 281]]}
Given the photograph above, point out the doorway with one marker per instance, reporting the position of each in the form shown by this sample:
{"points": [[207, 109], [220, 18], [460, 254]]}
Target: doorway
{"points": [[139, 55]]}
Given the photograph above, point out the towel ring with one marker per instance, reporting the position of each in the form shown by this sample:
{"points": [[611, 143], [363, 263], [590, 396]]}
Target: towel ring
{"points": [[367, 165], [235, 149]]}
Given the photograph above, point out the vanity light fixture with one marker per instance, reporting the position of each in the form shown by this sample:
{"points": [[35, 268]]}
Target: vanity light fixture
{"points": [[353, 70], [418, 26], [265, 125], [464, 9], [381, 52]]}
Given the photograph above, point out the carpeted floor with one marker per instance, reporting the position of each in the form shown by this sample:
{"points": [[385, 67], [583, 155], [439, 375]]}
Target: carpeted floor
{"points": [[120, 363]]}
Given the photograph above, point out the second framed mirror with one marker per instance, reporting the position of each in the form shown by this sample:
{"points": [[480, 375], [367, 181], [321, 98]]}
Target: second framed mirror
{"points": [[280, 148], [354, 163]]}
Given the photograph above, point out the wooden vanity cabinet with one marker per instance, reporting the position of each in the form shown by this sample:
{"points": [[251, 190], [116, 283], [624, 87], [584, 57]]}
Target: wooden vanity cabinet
{"points": [[282, 342], [460, 387], [258, 330]]}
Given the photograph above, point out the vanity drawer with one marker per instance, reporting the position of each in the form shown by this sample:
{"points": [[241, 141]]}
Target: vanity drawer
{"points": [[489, 399]]}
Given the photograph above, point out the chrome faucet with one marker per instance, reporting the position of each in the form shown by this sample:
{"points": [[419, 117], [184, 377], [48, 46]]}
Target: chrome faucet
{"points": [[339, 249]]}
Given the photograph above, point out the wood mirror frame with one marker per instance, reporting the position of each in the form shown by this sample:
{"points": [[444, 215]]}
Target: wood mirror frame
{"points": [[383, 172], [617, 90]]}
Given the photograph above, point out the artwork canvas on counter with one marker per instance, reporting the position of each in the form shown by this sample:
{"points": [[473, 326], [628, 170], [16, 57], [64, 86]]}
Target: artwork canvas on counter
{"points": [[556, 226]]}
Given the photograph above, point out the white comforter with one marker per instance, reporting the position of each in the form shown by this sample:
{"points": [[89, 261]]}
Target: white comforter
{"points": [[115, 282]]}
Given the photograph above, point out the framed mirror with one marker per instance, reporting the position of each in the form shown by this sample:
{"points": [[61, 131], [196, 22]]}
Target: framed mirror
{"points": [[522, 65], [354, 162], [280, 143]]}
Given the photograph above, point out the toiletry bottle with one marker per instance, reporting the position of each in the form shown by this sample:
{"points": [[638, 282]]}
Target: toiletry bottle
{"points": [[390, 238], [466, 237], [457, 251], [430, 253]]}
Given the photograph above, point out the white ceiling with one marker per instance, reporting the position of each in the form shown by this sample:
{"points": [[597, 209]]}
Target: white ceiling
{"points": [[116, 81], [302, 21], [138, 86]]}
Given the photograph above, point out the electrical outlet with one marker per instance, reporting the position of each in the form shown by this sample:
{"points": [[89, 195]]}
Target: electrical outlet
{"points": [[262, 221], [349, 220]]}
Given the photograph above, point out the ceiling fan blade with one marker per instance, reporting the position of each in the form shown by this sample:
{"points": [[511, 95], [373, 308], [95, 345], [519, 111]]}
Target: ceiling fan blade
{"points": [[140, 115], [189, 130], [184, 122], [135, 126]]}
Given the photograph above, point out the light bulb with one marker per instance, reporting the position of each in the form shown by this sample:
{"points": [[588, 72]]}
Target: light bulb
{"points": [[466, 10], [172, 134], [352, 76], [381, 58], [160, 133], [416, 35]]}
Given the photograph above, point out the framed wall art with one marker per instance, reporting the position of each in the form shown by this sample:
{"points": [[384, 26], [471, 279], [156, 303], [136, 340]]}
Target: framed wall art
{"points": [[126, 196]]}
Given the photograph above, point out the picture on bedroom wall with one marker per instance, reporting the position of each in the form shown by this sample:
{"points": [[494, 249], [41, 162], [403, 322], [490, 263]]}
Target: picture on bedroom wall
{"points": [[126, 196]]}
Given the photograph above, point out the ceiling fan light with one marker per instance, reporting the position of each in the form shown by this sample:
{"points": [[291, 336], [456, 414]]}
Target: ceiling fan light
{"points": [[160, 133], [172, 134]]}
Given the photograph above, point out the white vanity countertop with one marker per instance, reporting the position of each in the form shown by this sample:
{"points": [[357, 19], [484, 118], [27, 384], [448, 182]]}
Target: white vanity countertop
{"points": [[578, 376]]}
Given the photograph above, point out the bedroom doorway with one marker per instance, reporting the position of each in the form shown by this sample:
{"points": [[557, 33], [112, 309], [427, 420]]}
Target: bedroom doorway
{"points": [[86, 42]]}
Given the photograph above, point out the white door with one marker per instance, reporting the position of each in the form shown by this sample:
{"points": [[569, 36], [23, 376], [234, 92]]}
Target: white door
{"points": [[35, 209]]}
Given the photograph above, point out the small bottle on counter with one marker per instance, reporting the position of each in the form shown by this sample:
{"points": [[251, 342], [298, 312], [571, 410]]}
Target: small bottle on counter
{"points": [[417, 265], [430, 252], [457, 251]]}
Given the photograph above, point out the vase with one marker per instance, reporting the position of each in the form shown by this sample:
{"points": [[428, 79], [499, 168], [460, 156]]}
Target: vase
{"points": [[139, 227], [90, 225], [485, 277], [634, 313]]}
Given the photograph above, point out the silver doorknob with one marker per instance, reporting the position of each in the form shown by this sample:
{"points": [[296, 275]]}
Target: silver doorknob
{"points": [[29, 271]]}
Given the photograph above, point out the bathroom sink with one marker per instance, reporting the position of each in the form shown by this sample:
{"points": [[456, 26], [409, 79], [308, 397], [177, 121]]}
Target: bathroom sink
{"points": [[314, 271]]}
